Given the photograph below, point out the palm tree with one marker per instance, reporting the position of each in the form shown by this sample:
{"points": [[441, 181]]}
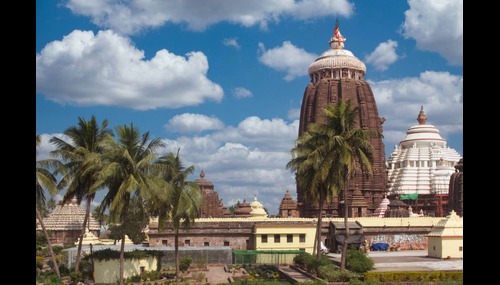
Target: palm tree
{"points": [[180, 204], [85, 138], [125, 167], [45, 180], [312, 163], [328, 155], [354, 153]]}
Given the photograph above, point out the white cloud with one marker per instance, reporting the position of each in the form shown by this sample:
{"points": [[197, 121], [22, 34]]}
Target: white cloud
{"points": [[134, 16], [193, 123], [440, 93], [240, 92], [231, 42], [287, 57], [383, 55], [107, 69], [294, 114], [437, 26]]}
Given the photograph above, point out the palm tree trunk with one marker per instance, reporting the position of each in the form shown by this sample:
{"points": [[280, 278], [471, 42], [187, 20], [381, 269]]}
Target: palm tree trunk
{"points": [[49, 244], [176, 246], [122, 247], [346, 235], [122, 255], [318, 230], [79, 251]]}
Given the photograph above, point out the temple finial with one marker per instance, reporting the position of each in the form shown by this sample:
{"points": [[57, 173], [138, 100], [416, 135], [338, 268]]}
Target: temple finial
{"points": [[422, 118], [337, 41]]}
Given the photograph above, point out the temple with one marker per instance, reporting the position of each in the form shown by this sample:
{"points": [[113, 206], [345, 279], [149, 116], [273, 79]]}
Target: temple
{"points": [[420, 167], [212, 206], [66, 221], [338, 75]]}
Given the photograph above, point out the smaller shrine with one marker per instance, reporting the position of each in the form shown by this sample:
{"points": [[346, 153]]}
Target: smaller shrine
{"points": [[257, 209], [446, 239], [288, 207]]}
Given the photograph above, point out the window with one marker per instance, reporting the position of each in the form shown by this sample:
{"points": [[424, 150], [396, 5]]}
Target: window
{"points": [[277, 238], [206, 243], [302, 238], [302, 249], [434, 247], [289, 238], [164, 242], [226, 243], [460, 248], [187, 242], [264, 238]]}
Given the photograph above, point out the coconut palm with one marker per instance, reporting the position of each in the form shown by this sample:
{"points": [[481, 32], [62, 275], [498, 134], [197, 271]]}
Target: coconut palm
{"points": [[45, 180], [311, 162], [328, 156], [354, 153], [84, 140], [125, 167], [181, 203]]}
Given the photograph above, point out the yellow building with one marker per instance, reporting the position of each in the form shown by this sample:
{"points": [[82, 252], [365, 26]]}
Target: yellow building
{"points": [[285, 236], [446, 239], [108, 271]]}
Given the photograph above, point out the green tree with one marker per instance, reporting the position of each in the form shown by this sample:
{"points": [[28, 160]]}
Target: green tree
{"points": [[84, 139], [138, 219], [125, 168], [352, 153], [312, 162], [180, 204], [328, 155], [45, 180]]}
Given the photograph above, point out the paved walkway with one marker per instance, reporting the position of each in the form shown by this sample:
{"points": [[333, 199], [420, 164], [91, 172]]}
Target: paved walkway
{"points": [[217, 275], [296, 275], [408, 260]]}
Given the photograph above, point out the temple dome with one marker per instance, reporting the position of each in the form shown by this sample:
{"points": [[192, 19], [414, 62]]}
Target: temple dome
{"points": [[243, 210], [257, 209], [337, 58], [422, 163], [69, 217]]}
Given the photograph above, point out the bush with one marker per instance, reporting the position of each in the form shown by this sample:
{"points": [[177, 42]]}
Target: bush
{"points": [[415, 276], [63, 270], [357, 261], [198, 276], [332, 274], [75, 277], [39, 262], [184, 263], [309, 263]]}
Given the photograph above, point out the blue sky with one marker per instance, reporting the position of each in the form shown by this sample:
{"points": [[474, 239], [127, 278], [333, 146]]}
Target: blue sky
{"points": [[223, 80]]}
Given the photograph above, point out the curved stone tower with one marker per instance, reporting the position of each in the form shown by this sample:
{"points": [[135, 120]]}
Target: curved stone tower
{"points": [[338, 75]]}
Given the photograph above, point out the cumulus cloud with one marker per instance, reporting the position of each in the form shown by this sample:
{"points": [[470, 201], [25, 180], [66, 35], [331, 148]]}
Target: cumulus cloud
{"points": [[106, 69], [383, 55], [134, 16], [287, 57], [294, 114], [240, 92], [440, 94], [437, 26], [231, 42], [193, 123], [242, 161]]}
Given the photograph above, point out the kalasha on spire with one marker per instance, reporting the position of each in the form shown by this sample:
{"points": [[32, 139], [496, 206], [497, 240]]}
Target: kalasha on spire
{"points": [[337, 41]]}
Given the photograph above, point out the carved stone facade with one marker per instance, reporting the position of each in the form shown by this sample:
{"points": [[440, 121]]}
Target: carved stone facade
{"points": [[338, 75], [456, 191], [288, 207], [212, 206]]}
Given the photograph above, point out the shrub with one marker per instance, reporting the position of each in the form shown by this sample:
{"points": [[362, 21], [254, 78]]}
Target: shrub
{"points": [[75, 277], [198, 276], [332, 274], [184, 263], [357, 261], [39, 262]]}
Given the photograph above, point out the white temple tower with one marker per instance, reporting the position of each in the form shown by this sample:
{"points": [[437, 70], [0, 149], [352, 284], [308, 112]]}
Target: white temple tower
{"points": [[420, 167]]}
